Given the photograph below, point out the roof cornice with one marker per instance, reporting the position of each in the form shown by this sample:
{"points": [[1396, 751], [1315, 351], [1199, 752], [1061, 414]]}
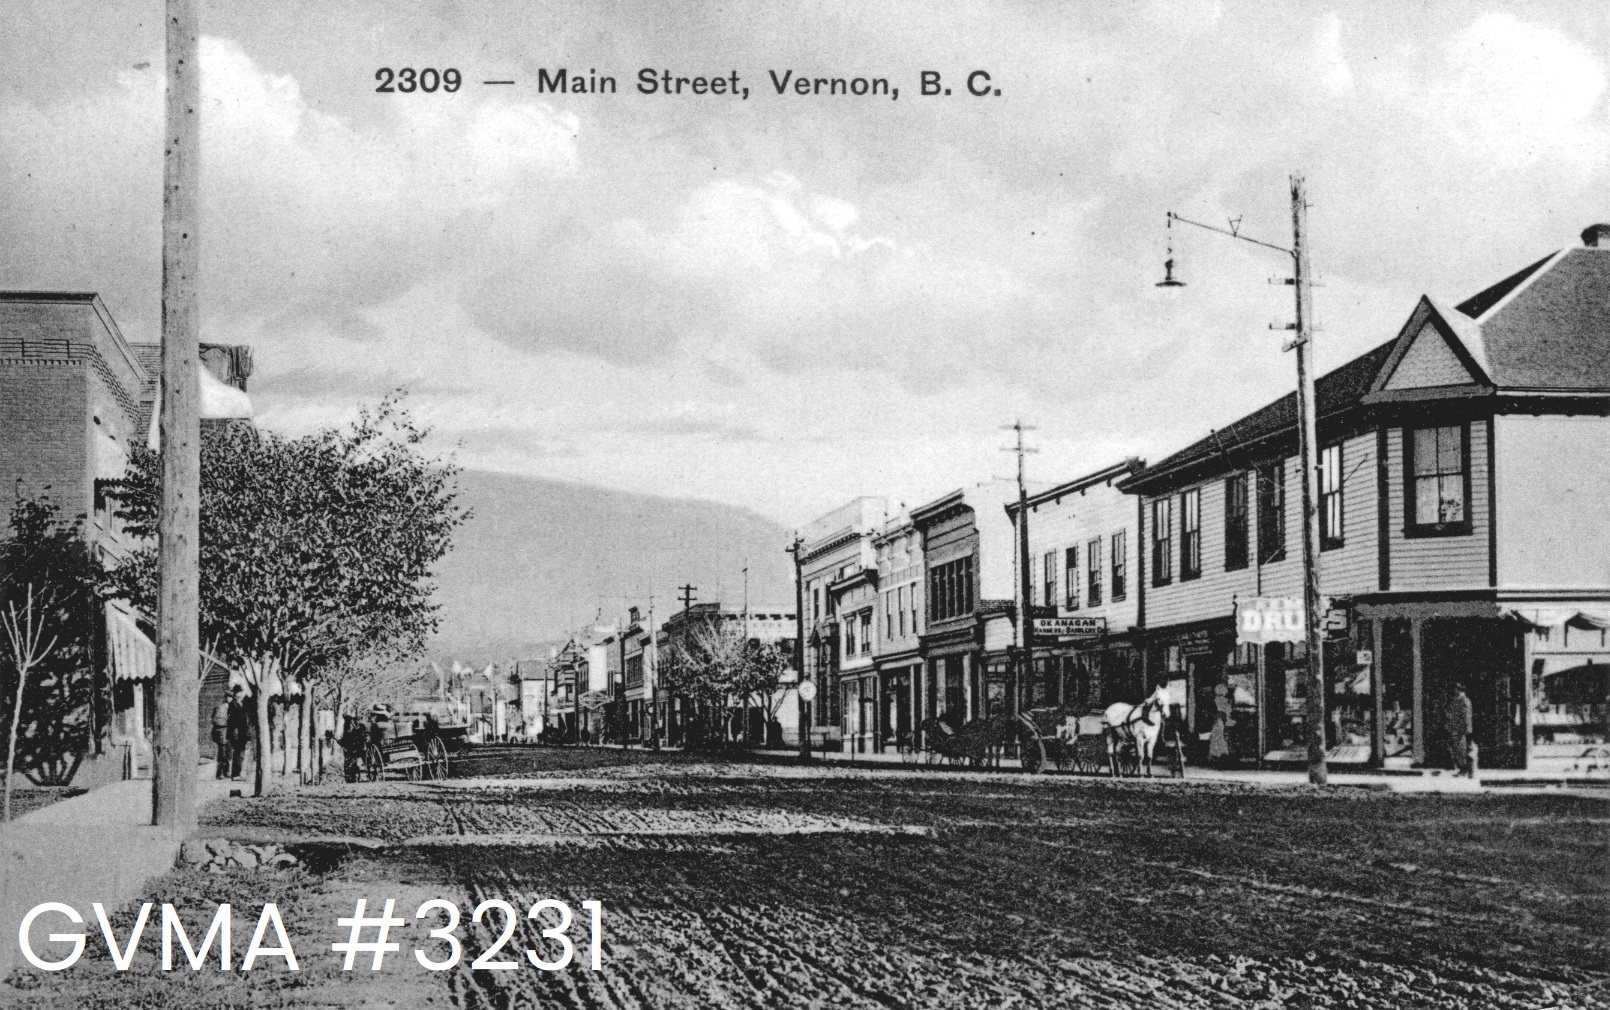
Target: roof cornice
{"points": [[1131, 465]]}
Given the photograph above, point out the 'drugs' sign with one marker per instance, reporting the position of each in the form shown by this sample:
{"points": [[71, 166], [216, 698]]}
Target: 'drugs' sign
{"points": [[1269, 619]]}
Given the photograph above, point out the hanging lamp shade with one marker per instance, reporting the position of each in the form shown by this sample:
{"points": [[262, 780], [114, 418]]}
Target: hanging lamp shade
{"points": [[1168, 280]]}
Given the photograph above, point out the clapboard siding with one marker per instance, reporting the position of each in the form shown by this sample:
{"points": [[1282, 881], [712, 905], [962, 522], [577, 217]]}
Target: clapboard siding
{"points": [[1080, 517], [1456, 562], [1353, 567], [1348, 569]]}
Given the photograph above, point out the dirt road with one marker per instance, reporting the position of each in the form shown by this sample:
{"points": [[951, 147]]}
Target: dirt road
{"points": [[742, 886]]}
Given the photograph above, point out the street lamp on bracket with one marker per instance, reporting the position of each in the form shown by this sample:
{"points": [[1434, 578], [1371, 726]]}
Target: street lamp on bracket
{"points": [[1307, 432]]}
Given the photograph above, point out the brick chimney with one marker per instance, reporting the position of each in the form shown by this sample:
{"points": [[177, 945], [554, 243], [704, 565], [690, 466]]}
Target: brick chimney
{"points": [[1595, 236]]}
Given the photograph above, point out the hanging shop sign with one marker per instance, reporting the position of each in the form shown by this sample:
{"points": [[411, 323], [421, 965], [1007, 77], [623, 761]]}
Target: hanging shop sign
{"points": [[1270, 619], [1070, 627]]}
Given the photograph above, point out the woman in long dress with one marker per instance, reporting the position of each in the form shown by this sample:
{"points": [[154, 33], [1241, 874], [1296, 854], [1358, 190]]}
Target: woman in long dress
{"points": [[1218, 739]]}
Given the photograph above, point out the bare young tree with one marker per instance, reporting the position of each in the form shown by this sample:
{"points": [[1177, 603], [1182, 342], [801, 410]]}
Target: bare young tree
{"points": [[23, 632]]}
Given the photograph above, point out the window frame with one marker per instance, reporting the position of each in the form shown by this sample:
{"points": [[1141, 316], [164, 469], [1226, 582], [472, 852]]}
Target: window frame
{"points": [[1120, 565], [1278, 555], [950, 587], [1191, 534], [1048, 592], [1237, 523], [1413, 530], [1093, 567], [1330, 538], [1163, 541], [1070, 573]]}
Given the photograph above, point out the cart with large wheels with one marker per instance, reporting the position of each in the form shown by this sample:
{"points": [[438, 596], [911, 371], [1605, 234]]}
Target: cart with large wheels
{"points": [[411, 745]]}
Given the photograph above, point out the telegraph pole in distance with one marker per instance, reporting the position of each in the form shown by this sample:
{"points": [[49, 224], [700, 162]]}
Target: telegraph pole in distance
{"points": [[796, 548], [654, 677], [173, 771], [687, 595], [1025, 579]]}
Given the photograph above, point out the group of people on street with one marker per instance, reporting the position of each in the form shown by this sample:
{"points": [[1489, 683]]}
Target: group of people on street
{"points": [[232, 732]]}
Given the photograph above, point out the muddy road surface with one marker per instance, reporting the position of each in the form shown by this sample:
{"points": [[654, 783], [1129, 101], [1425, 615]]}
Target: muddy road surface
{"points": [[735, 885]]}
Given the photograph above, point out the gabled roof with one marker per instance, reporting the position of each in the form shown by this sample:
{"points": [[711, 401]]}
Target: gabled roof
{"points": [[1552, 331], [1432, 333], [1544, 329], [1480, 302]]}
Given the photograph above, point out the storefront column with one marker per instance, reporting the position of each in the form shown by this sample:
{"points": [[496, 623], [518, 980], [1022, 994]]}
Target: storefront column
{"points": [[1526, 698], [1263, 703], [1419, 693], [1378, 689]]}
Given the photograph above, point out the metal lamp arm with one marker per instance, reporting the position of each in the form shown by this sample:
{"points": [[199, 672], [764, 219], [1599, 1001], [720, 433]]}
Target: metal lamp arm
{"points": [[1233, 234]]}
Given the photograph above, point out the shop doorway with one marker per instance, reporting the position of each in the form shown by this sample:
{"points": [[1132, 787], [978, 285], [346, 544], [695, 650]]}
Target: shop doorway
{"points": [[896, 726], [955, 697], [1485, 656], [1396, 661]]}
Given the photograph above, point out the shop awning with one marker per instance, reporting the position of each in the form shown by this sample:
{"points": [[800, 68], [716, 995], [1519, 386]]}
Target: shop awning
{"points": [[1554, 617], [132, 655], [219, 401]]}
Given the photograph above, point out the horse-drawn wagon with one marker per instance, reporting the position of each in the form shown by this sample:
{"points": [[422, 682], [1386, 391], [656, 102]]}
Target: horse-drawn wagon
{"points": [[1124, 739], [416, 743]]}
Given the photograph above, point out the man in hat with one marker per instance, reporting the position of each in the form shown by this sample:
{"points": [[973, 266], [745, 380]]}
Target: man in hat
{"points": [[220, 737]]}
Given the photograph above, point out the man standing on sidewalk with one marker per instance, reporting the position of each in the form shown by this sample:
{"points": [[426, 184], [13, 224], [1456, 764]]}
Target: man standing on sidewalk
{"points": [[240, 729], [1461, 728], [220, 737]]}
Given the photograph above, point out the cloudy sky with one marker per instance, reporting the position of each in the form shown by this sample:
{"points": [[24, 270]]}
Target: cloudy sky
{"points": [[784, 301]]}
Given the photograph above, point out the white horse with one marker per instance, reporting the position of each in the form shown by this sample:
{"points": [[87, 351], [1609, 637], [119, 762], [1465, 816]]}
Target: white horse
{"points": [[1140, 724]]}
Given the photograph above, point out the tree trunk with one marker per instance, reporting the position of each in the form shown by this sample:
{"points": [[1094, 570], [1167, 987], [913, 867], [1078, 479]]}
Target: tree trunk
{"points": [[263, 751], [11, 743], [301, 737]]}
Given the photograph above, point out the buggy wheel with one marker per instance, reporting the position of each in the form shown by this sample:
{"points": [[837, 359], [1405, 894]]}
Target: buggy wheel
{"points": [[436, 763], [414, 772], [1128, 761], [374, 763]]}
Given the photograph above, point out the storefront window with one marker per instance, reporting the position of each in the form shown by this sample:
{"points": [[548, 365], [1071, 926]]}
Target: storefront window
{"points": [[1350, 710], [1569, 697]]}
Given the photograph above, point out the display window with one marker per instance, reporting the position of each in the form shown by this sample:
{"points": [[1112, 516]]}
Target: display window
{"points": [[1569, 696]]}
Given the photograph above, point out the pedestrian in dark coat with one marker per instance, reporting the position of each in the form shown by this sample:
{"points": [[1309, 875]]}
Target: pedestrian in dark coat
{"points": [[240, 730], [1461, 728]]}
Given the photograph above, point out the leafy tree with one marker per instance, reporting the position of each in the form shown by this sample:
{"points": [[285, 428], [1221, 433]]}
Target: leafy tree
{"points": [[316, 552], [48, 612], [711, 663]]}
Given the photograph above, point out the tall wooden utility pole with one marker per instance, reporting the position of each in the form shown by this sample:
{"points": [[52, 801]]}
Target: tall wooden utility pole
{"points": [[1307, 450], [173, 777], [1308, 425], [795, 549], [687, 594]]}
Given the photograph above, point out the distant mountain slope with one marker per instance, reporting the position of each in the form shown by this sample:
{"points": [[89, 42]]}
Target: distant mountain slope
{"points": [[541, 557]]}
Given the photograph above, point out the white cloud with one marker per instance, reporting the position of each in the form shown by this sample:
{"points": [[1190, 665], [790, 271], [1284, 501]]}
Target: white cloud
{"points": [[1329, 55], [1524, 92]]}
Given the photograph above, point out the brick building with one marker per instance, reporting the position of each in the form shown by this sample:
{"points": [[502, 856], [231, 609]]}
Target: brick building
{"points": [[75, 398]]}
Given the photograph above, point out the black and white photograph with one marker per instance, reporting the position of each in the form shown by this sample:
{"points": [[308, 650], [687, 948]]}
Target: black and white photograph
{"points": [[763, 505]]}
